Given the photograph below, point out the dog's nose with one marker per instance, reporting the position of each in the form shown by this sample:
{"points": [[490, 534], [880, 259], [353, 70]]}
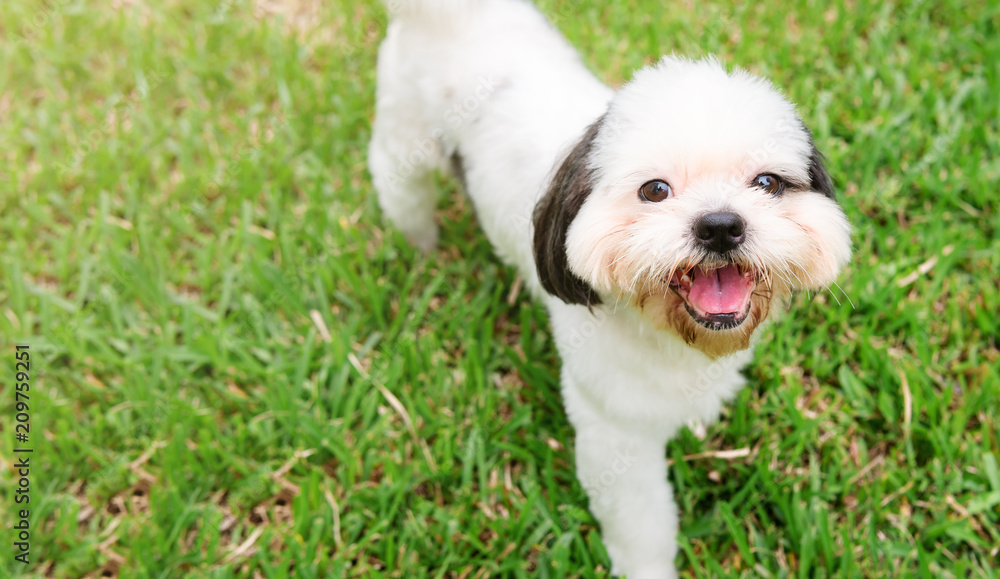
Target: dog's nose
{"points": [[720, 231]]}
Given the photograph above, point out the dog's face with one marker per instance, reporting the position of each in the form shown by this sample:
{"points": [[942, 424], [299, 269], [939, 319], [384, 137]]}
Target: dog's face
{"points": [[698, 199]]}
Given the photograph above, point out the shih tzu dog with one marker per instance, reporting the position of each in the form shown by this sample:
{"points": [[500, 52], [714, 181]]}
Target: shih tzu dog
{"points": [[662, 225]]}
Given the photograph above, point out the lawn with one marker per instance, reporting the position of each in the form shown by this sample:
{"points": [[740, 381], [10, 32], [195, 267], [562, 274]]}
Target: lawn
{"points": [[238, 369]]}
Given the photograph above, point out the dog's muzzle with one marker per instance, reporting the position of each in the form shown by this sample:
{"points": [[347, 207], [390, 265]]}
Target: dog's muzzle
{"points": [[717, 291]]}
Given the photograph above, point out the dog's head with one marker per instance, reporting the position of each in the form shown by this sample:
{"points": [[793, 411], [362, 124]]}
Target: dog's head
{"points": [[699, 199]]}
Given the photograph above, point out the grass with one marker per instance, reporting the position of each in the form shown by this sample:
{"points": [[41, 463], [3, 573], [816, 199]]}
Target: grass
{"points": [[239, 370]]}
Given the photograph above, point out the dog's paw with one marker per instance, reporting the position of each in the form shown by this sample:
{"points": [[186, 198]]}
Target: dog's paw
{"points": [[423, 235], [624, 564], [425, 239]]}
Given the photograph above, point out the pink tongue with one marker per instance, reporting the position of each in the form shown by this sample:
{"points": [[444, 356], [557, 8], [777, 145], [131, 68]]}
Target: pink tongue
{"points": [[720, 291]]}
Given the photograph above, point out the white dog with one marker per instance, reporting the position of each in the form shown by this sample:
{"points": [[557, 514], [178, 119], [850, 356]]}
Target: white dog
{"points": [[660, 225]]}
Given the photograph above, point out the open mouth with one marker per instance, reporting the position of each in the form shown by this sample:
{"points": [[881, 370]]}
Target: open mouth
{"points": [[718, 298]]}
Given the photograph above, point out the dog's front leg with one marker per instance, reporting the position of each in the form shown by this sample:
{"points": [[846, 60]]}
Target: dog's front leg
{"points": [[625, 476]]}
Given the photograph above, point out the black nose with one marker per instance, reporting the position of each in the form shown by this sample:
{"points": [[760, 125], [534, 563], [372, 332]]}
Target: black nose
{"points": [[721, 231]]}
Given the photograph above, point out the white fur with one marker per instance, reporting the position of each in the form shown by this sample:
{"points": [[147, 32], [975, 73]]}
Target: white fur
{"points": [[495, 82]]}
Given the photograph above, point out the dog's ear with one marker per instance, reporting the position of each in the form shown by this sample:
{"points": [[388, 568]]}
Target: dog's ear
{"points": [[553, 215], [819, 179]]}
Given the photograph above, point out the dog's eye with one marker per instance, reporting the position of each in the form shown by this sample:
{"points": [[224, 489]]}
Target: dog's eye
{"points": [[655, 190], [770, 183]]}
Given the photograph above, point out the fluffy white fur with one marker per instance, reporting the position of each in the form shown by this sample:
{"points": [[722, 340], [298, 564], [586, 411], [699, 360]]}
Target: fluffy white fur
{"points": [[492, 85]]}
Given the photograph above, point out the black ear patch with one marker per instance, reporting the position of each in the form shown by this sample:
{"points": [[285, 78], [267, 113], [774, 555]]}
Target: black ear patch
{"points": [[553, 215], [819, 179]]}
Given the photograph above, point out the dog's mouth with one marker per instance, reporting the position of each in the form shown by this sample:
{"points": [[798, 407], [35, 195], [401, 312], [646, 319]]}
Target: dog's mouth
{"points": [[718, 298]]}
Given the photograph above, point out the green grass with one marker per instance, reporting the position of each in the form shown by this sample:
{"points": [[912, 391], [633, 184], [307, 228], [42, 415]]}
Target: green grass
{"points": [[184, 204]]}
